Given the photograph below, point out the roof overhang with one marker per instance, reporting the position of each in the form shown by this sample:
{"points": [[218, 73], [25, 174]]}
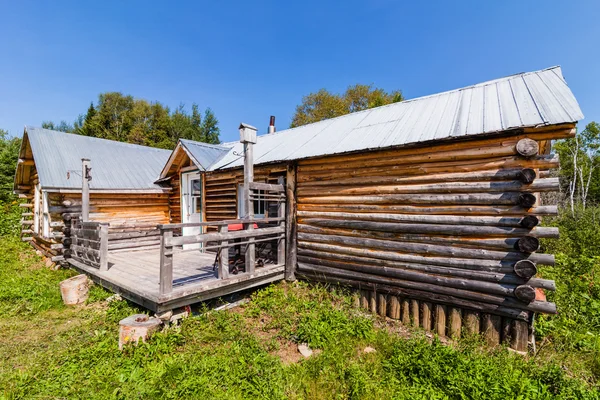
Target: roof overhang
{"points": [[178, 149]]}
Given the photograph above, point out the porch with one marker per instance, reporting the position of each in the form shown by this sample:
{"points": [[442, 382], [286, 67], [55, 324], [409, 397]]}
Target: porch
{"points": [[135, 275], [168, 267]]}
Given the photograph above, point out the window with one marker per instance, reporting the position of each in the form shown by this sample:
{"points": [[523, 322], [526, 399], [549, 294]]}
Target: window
{"points": [[260, 203], [196, 195]]}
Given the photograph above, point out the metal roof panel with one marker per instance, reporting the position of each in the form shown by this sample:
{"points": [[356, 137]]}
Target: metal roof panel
{"points": [[522, 100]]}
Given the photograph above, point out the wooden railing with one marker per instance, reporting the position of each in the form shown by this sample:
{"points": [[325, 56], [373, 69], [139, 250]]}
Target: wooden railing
{"points": [[219, 241], [88, 243], [222, 240]]}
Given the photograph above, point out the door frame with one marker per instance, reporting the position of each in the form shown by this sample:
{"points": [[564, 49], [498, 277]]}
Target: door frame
{"points": [[184, 181], [185, 200]]}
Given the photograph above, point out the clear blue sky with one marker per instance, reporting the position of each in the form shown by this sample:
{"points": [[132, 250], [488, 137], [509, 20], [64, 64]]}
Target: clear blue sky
{"points": [[248, 61]]}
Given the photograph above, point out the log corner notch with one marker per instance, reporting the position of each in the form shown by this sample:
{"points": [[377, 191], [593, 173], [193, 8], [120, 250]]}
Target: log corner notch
{"points": [[449, 230]]}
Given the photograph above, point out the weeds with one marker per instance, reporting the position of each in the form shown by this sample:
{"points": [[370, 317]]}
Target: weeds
{"points": [[48, 350]]}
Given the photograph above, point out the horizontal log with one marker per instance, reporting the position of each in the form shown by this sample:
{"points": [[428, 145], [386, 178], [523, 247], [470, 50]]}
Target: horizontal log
{"points": [[539, 185], [214, 237], [27, 214], [431, 250], [502, 266], [439, 156], [439, 210], [26, 205], [30, 222], [435, 229], [525, 269], [535, 306], [528, 175], [26, 239], [520, 174], [489, 199], [460, 241], [527, 147], [525, 293], [506, 140], [541, 162], [528, 244], [57, 258], [426, 219], [424, 273], [26, 231]]}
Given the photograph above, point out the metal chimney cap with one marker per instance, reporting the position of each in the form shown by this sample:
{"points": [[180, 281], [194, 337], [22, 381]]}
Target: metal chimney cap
{"points": [[246, 126], [247, 133]]}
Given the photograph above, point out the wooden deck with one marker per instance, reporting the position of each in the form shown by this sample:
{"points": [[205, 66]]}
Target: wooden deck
{"points": [[135, 275]]}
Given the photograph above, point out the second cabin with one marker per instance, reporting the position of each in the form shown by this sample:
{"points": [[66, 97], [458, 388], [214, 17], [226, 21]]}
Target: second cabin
{"points": [[430, 208]]}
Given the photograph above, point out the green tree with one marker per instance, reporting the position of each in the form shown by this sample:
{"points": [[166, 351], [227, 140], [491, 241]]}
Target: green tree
{"points": [[9, 154], [324, 104], [63, 126], [580, 159], [121, 117], [210, 127]]}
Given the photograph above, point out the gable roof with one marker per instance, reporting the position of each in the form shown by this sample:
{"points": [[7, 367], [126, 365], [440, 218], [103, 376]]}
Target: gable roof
{"points": [[203, 155], [518, 101], [115, 165]]}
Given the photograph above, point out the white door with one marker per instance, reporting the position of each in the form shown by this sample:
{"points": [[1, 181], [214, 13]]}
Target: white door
{"points": [[191, 204]]}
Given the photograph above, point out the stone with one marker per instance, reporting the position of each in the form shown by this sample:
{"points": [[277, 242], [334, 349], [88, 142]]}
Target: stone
{"points": [[114, 297], [369, 349], [305, 350]]}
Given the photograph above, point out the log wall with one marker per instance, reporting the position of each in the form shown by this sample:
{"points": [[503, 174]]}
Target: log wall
{"points": [[444, 236], [222, 190]]}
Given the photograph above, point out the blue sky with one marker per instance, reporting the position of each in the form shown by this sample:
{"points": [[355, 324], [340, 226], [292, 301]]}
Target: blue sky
{"points": [[249, 60]]}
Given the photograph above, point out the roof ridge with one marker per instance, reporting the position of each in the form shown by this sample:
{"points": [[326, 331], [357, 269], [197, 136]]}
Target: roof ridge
{"points": [[210, 145]]}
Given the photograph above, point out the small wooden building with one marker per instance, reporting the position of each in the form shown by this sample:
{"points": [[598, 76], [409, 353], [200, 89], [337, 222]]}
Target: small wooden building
{"points": [[429, 207], [122, 188]]}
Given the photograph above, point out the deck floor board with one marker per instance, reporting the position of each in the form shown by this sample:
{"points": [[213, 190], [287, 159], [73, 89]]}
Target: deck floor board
{"points": [[135, 275]]}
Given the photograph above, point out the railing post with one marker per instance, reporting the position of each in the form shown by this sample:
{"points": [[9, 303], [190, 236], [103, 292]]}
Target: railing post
{"points": [[103, 231], [223, 268], [85, 189], [248, 138], [290, 225], [166, 261], [281, 214]]}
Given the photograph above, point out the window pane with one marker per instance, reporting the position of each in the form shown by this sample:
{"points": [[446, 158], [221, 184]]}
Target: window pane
{"points": [[196, 187]]}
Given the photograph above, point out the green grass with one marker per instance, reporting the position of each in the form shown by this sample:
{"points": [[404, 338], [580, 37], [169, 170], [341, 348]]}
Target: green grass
{"points": [[48, 350]]}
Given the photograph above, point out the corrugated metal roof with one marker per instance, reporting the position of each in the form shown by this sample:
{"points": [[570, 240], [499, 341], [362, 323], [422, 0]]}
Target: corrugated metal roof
{"points": [[203, 154], [115, 165], [522, 100]]}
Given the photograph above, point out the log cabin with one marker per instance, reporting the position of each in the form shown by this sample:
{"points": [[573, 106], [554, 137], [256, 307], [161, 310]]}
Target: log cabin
{"points": [[429, 208], [121, 189]]}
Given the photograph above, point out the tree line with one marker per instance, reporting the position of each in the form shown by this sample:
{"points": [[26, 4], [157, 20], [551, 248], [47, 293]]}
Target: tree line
{"points": [[579, 167], [123, 118]]}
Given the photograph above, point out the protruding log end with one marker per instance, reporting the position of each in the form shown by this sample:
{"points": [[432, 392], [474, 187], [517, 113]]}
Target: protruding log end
{"points": [[525, 293], [525, 269], [528, 244], [529, 221], [527, 147], [527, 175], [527, 200]]}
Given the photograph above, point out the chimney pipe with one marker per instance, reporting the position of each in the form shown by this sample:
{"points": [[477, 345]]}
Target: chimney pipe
{"points": [[272, 124]]}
